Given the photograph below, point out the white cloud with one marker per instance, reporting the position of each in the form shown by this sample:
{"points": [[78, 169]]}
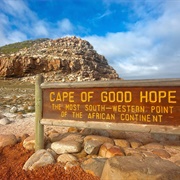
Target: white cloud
{"points": [[18, 22], [65, 26], [150, 49], [40, 28]]}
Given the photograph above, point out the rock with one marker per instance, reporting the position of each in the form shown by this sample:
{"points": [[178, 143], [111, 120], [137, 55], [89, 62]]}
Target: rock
{"points": [[101, 139], [61, 147], [38, 159], [108, 150], [8, 139], [4, 121], [121, 143], [72, 137], [92, 147], [81, 154], [13, 109], [132, 152], [19, 116], [31, 108], [161, 153], [54, 136], [135, 168], [69, 143], [29, 143], [94, 166], [117, 134], [114, 151], [71, 164], [175, 159], [154, 145], [135, 143], [104, 148], [2, 116], [73, 130], [64, 158], [99, 132], [70, 57]]}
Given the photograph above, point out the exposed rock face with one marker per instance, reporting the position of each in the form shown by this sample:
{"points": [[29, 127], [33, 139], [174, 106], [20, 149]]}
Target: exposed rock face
{"points": [[69, 55]]}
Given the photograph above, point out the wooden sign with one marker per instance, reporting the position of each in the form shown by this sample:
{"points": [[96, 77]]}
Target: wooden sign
{"points": [[139, 105]]}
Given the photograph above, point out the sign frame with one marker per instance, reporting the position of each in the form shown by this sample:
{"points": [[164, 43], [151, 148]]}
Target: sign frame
{"points": [[40, 86]]}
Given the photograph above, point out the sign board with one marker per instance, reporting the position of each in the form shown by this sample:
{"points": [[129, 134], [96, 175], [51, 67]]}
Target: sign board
{"points": [[139, 105]]}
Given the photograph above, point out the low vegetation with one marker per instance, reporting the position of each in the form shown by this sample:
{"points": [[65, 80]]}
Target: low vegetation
{"points": [[15, 47]]}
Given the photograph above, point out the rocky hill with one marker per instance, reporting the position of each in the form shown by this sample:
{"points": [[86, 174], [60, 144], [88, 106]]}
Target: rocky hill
{"points": [[64, 59]]}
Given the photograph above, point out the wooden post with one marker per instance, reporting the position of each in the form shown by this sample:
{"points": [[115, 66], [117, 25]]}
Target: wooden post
{"points": [[39, 128]]}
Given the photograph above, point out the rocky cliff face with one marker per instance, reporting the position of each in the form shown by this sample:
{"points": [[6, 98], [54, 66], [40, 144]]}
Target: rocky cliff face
{"points": [[64, 59]]}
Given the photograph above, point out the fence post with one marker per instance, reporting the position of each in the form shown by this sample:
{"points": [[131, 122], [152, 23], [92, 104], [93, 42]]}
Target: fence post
{"points": [[39, 128]]}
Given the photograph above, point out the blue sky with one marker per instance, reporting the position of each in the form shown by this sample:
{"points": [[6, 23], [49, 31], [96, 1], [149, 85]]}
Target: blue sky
{"points": [[139, 38]]}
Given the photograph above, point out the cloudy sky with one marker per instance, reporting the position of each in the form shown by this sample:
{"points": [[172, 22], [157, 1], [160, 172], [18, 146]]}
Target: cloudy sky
{"points": [[139, 38]]}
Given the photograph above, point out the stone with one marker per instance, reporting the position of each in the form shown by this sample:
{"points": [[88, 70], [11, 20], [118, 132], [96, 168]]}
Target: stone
{"points": [[71, 164], [114, 151], [72, 137], [7, 139], [135, 143], [2, 116], [54, 136], [175, 159], [13, 109], [38, 159], [117, 134], [94, 166], [104, 148], [154, 145], [132, 152], [73, 129], [61, 147], [58, 60], [108, 150], [29, 143], [122, 143], [161, 153], [99, 132], [64, 158], [101, 139], [4, 121], [126, 167], [92, 147], [81, 154]]}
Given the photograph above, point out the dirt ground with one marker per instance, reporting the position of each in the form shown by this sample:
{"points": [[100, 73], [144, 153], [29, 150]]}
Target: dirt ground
{"points": [[12, 159]]}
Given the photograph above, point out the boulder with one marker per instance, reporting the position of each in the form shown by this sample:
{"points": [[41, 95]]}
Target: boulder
{"points": [[64, 158], [7, 139], [94, 166], [38, 159], [108, 150], [139, 168], [100, 139], [61, 147], [4, 121], [29, 143], [92, 147]]}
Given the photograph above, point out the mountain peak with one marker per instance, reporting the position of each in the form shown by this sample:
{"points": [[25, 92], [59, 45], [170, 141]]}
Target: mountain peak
{"points": [[58, 60]]}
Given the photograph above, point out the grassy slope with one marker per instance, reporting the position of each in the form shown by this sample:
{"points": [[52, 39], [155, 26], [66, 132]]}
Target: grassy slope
{"points": [[15, 47]]}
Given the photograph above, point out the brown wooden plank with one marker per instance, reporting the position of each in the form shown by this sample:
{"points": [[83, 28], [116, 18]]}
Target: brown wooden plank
{"points": [[156, 103]]}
